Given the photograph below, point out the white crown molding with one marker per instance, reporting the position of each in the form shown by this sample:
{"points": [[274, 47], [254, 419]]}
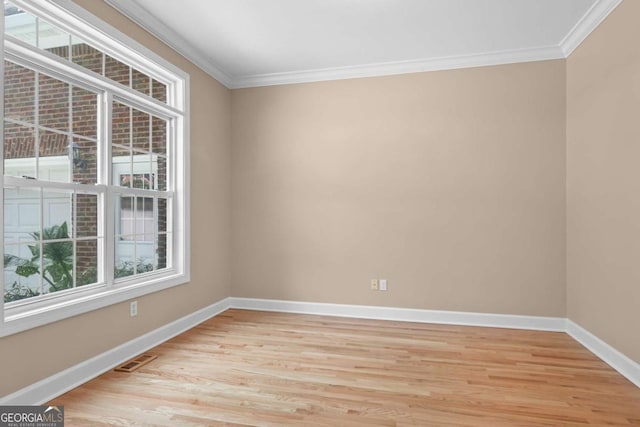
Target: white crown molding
{"points": [[618, 361], [537, 323], [57, 384], [400, 67], [172, 39], [585, 26], [596, 14]]}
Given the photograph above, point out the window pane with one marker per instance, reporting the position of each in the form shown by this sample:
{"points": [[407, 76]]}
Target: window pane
{"points": [[145, 256], [121, 159], [57, 265], [53, 39], [143, 176], [159, 91], [86, 55], [123, 268], [120, 127], [22, 244], [124, 217], [84, 161], [86, 262], [21, 215], [144, 222], [56, 215], [21, 272], [116, 70], [162, 246], [86, 215], [19, 150], [159, 146], [136, 240], [121, 139], [140, 82], [162, 242], [136, 218], [141, 126], [162, 214], [85, 113], [54, 103], [160, 163], [159, 136], [19, 24], [54, 163], [19, 92], [124, 265], [138, 168]]}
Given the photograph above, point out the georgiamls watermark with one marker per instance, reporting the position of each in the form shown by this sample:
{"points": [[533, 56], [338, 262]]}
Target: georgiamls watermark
{"points": [[32, 416]]}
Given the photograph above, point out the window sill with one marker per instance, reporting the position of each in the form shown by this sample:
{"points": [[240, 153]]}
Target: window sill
{"points": [[23, 317]]}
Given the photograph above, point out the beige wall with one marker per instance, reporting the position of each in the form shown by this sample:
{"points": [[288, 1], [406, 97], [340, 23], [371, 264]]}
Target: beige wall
{"points": [[448, 184], [451, 185], [603, 181], [41, 352]]}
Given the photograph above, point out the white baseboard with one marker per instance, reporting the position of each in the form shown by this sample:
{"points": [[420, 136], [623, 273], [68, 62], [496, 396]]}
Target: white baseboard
{"points": [[57, 384], [539, 323], [618, 361]]}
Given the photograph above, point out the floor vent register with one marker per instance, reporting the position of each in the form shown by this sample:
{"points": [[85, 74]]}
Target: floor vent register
{"points": [[136, 363]]}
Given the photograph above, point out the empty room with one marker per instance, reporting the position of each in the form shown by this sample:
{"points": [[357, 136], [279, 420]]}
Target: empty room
{"points": [[320, 212]]}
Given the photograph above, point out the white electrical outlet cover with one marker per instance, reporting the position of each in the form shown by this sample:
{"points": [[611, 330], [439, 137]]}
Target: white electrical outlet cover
{"points": [[383, 284], [133, 309]]}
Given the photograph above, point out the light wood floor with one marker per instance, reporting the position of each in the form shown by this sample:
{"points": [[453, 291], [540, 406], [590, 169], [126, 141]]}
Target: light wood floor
{"points": [[273, 369]]}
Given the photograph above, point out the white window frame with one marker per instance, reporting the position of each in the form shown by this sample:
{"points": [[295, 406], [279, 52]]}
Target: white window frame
{"points": [[66, 15]]}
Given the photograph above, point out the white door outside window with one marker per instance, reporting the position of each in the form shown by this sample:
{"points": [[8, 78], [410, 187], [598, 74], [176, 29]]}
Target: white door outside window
{"points": [[135, 231], [22, 211]]}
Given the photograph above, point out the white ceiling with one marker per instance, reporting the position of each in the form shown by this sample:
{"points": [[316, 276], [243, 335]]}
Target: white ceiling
{"points": [[260, 42]]}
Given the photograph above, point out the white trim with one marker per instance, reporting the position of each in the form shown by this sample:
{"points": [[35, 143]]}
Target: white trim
{"points": [[585, 26], [589, 22], [618, 361], [74, 19], [109, 40], [53, 386], [182, 160], [169, 37], [538, 323], [79, 301], [400, 67]]}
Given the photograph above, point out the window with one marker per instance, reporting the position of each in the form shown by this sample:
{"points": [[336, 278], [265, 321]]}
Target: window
{"points": [[95, 150]]}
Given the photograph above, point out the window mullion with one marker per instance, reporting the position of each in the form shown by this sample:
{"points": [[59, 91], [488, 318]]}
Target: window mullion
{"points": [[15, 181], [74, 235], [107, 221], [74, 205], [134, 235], [40, 242], [36, 118], [156, 238]]}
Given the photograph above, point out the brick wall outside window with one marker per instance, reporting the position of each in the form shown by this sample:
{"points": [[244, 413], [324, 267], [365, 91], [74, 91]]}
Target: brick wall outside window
{"points": [[81, 120]]}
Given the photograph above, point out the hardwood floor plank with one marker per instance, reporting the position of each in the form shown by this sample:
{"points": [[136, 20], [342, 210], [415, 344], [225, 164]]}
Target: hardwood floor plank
{"points": [[249, 368]]}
